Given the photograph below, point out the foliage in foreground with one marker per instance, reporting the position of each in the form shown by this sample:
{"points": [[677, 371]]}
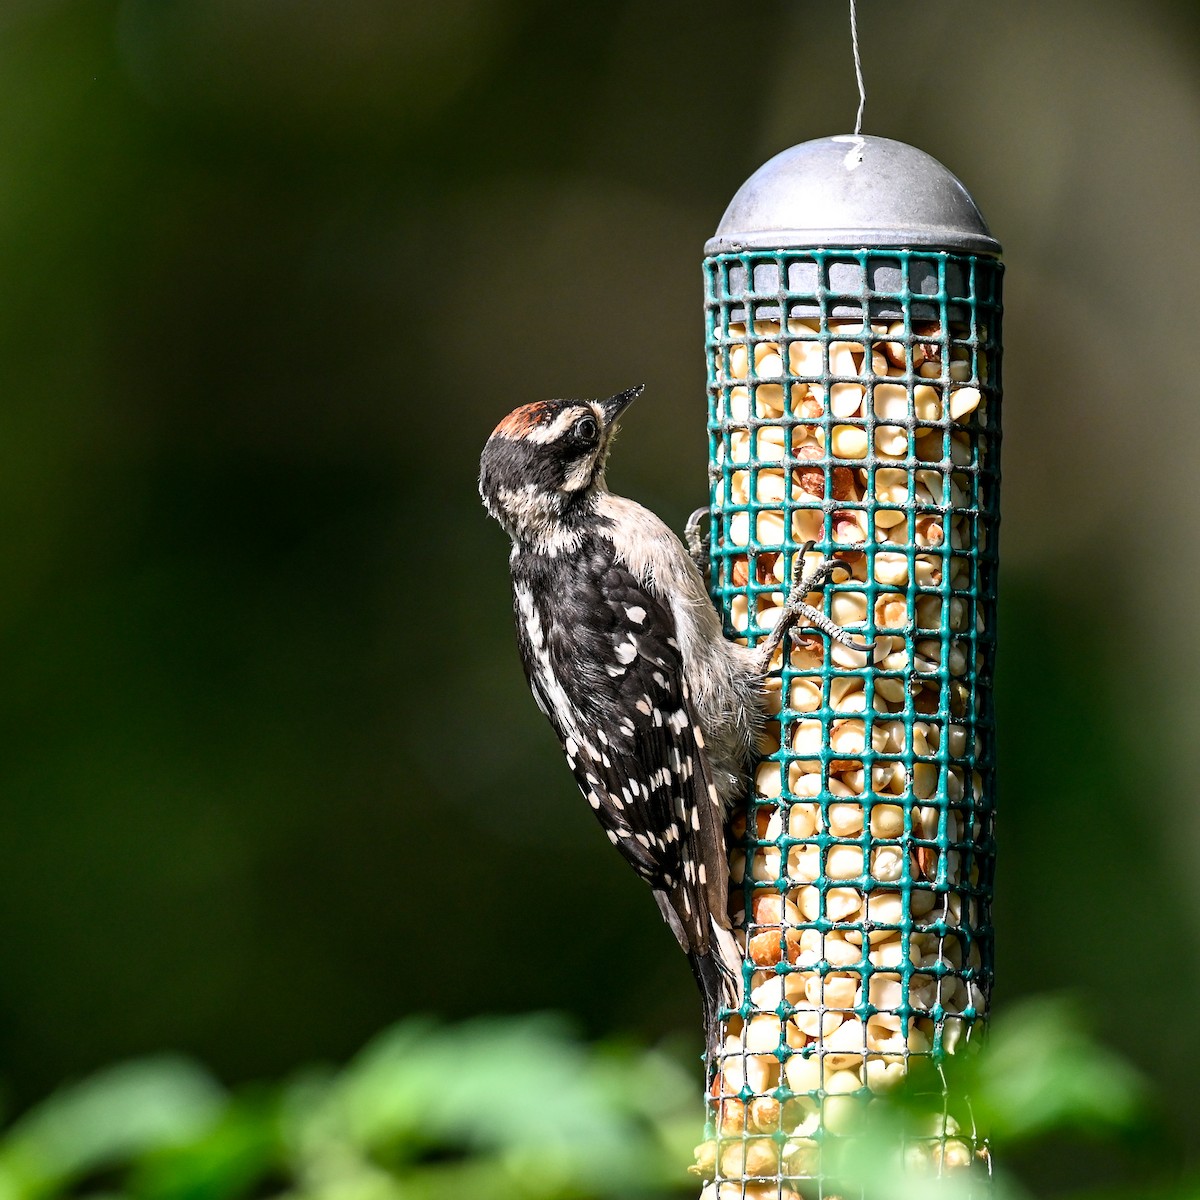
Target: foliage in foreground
{"points": [[511, 1109]]}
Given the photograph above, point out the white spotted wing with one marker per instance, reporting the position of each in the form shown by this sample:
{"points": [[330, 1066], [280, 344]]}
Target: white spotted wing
{"points": [[607, 670]]}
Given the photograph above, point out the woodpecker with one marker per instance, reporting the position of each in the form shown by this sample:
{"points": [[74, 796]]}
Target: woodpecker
{"points": [[657, 712]]}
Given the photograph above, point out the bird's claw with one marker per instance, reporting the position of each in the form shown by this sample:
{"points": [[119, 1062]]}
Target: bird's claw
{"points": [[796, 607], [697, 547]]}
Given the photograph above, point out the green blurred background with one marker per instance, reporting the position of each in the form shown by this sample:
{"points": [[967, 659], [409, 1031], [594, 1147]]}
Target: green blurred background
{"points": [[272, 271]]}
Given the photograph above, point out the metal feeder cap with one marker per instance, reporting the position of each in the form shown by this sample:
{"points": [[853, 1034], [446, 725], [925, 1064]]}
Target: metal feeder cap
{"points": [[854, 192]]}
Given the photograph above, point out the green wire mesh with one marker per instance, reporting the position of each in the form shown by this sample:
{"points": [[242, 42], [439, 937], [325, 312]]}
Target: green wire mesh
{"points": [[865, 861]]}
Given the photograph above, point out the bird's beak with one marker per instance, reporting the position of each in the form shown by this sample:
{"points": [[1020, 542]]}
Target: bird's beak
{"points": [[614, 406]]}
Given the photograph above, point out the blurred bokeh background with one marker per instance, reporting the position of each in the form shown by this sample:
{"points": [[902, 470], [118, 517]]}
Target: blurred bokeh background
{"points": [[270, 273]]}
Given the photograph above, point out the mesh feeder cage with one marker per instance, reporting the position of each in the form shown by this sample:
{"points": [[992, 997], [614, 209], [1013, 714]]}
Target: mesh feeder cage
{"points": [[853, 343]]}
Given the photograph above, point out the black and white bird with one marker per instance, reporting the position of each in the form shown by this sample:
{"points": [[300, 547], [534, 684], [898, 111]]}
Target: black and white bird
{"points": [[656, 710]]}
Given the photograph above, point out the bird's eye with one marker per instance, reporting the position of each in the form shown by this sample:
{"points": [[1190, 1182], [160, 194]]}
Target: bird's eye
{"points": [[586, 429]]}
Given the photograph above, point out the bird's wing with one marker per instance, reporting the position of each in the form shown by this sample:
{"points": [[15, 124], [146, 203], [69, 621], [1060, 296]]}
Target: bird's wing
{"points": [[610, 678]]}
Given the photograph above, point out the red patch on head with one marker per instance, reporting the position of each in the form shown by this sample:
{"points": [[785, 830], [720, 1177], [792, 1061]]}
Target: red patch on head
{"points": [[521, 420]]}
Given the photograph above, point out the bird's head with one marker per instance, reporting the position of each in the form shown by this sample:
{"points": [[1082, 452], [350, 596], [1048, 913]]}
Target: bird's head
{"points": [[545, 462]]}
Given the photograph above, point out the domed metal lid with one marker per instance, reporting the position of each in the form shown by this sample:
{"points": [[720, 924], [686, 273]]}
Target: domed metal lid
{"points": [[852, 191]]}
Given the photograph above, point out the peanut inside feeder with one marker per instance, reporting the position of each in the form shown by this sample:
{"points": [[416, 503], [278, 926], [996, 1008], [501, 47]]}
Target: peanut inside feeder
{"points": [[853, 319]]}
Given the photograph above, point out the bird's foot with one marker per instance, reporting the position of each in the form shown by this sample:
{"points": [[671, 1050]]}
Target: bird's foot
{"points": [[797, 607]]}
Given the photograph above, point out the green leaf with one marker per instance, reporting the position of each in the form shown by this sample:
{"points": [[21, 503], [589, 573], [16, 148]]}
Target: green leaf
{"points": [[1042, 1070], [548, 1114], [107, 1119], [229, 1159]]}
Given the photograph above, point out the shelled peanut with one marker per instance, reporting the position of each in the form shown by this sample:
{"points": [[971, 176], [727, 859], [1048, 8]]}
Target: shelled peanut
{"points": [[860, 874]]}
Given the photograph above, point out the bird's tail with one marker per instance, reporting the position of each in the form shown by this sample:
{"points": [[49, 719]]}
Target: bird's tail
{"points": [[718, 972]]}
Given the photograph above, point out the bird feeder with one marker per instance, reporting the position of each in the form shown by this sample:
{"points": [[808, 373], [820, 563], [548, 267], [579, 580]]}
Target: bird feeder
{"points": [[852, 302]]}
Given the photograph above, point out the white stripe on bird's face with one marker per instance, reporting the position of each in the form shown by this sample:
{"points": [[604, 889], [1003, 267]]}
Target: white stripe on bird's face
{"points": [[545, 434], [579, 474]]}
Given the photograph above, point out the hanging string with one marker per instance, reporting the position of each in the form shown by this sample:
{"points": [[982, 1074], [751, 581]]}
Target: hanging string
{"points": [[858, 75]]}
